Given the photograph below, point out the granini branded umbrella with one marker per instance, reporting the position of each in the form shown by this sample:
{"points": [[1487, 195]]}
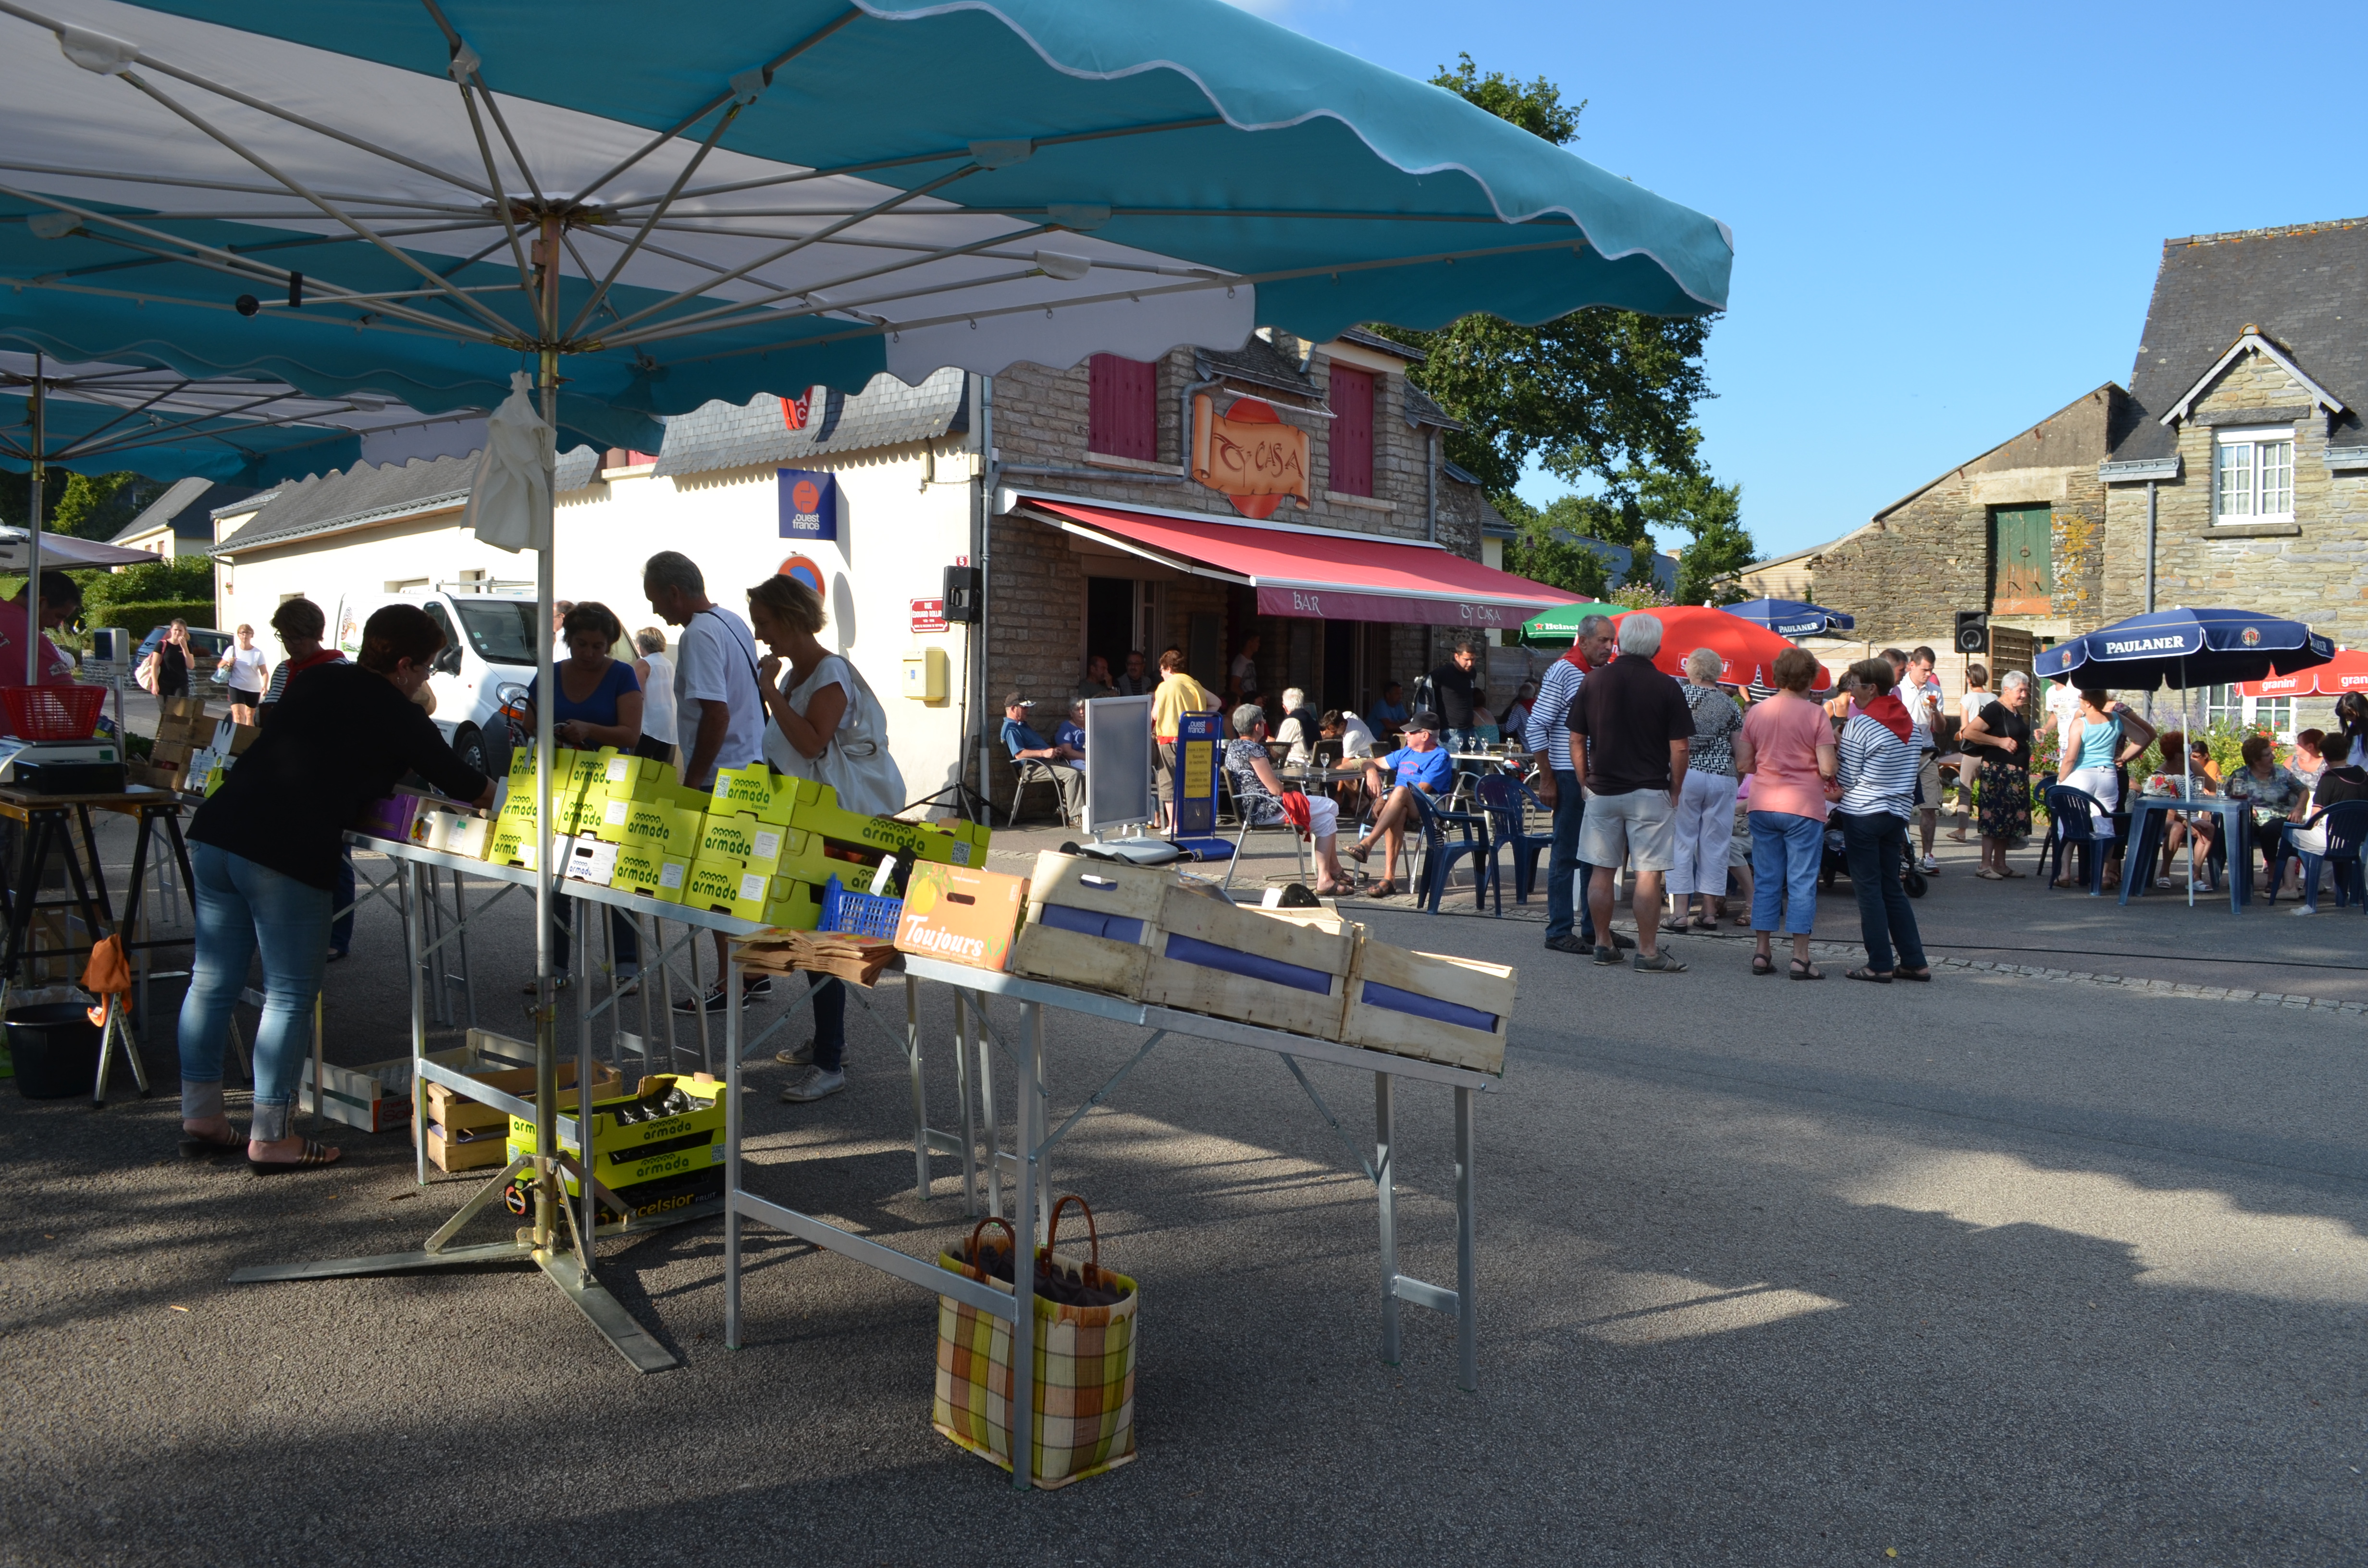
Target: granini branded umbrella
{"points": [[651, 210], [2183, 648], [1748, 649]]}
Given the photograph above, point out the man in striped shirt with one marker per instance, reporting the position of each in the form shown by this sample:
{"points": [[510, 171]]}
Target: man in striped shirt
{"points": [[1548, 734]]}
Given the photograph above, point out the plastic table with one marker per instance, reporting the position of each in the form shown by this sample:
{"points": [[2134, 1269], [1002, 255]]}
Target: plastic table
{"points": [[1027, 1164], [2148, 815]]}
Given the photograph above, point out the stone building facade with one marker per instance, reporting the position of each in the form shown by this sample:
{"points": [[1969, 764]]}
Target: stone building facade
{"points": [[1056, 597], [2017, 532], [2250, 452]]}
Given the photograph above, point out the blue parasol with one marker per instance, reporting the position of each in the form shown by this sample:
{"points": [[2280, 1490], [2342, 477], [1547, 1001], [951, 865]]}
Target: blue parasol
{"points": [[1792, 618]]}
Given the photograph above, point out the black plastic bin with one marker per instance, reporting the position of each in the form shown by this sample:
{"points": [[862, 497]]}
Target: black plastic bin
{"points": [[55, 1047]]}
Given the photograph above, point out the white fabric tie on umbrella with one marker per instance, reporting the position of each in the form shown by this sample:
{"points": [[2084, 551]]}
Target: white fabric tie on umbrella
{"points": [[510, 501]]}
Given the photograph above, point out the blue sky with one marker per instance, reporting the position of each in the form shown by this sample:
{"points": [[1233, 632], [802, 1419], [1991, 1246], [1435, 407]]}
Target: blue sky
{"points": [[1947, 220]]}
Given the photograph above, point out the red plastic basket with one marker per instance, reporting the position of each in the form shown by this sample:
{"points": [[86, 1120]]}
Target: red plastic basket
{"points": [[53, 712]]}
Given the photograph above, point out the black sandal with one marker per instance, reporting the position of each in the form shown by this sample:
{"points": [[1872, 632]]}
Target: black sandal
{"points": [[1382, 890], [1805, 969], [194, 1147], [313, 1156], [1761, 963], [1868, 973], [1904, 972]]}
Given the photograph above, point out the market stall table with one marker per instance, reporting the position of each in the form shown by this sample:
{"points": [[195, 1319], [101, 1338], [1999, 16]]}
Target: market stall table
{"points": [[51, 822], [972, 987], [2149, 813]]}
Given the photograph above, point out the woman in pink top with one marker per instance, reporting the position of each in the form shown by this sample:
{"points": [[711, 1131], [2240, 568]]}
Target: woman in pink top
{"points": [[1788, 752]]}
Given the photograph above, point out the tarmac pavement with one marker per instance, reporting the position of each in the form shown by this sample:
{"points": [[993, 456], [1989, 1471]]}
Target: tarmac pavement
{"points": [[1997, 1269]]}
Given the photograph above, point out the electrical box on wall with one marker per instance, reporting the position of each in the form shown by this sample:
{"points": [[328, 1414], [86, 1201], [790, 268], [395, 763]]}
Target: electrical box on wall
{"points": [[925, 675]]}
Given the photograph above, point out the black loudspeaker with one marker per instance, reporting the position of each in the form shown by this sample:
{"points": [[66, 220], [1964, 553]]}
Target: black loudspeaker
{"points": [[1972, 632], [965, 587]]}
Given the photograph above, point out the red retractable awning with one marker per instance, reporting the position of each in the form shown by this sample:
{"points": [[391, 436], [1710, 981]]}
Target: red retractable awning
{"points": [[1319, 573]]}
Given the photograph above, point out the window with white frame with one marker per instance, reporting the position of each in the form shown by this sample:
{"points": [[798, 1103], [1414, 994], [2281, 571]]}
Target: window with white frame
{"points": [[2252, 475], [2224, 705]]}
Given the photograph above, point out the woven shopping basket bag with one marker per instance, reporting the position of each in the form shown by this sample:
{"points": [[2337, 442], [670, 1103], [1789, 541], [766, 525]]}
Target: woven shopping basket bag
{"points": [[1085, 1361]]}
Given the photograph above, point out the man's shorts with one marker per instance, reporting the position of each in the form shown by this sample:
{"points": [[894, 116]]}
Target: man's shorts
{"points": [[1640, 822], [1738, 843], [1165, 774], [1927, 783]]}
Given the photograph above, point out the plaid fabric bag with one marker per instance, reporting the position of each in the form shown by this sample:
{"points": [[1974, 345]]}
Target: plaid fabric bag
{"points": [[1085, 1361]]}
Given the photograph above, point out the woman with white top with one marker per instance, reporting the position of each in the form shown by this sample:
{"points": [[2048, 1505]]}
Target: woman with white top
{"points": [[822, 722], [1970, 703], [654, 665], [246, 672]]}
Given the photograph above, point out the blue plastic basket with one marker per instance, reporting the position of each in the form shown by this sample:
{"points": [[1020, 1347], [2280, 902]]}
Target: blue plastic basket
{"points": [[864, 914]]}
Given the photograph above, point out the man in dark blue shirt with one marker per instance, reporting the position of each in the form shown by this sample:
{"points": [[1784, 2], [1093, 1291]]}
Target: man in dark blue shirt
{"points": [[1035, 760]]}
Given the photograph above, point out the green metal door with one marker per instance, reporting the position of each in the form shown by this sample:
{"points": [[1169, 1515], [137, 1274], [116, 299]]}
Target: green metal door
{"points": [[2020, 577]]}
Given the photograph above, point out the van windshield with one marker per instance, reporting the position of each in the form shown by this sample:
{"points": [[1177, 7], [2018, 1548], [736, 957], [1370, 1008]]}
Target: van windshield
{"points": [[502, 631]]}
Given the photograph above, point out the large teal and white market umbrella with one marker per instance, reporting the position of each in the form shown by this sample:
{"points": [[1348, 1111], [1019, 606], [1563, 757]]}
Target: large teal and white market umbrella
{"points": [[650, 209]]}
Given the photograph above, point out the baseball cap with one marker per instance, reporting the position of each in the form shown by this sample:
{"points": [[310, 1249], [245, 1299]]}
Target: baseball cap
{"points": [[1016, 700], [1424, 719]]}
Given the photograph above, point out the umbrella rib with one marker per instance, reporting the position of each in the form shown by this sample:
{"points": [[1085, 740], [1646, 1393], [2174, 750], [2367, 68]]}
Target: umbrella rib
{"points": [[766, 260], [676, 327], [666, 330], [500, 326], [122, 415], [801, 175], [243, 251], [163, 431], [767, 70], [203, 256], [421, 326], [501, 208], [723, 123], [235, 188]]}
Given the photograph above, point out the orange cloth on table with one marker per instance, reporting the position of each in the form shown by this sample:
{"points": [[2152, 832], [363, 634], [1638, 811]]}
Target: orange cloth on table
{"points": [[56, 668]]}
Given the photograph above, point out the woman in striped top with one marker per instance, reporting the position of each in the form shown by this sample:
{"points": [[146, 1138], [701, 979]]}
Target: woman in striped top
{"points": [[1878, 779]]}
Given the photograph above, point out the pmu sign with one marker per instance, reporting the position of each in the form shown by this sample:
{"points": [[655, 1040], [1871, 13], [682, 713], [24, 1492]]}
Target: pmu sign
{"points": [[809, 503]]}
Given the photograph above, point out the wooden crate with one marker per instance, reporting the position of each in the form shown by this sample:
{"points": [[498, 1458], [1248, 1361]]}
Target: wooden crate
{"points": [[451, 1109], [1211, 954], [1462, 994], [1078, 931], [479, 1149]]}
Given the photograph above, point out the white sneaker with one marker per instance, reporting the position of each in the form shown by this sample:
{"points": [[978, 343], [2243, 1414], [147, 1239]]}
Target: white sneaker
{"points": [[2302, 909], [813, 1083], [1932, 867]]}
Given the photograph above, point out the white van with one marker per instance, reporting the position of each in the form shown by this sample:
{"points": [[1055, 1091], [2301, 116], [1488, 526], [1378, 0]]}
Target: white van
{"points": [[488, 658]]}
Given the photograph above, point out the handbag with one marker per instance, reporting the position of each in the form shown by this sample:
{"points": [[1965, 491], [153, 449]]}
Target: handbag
{"points": [[1084, 1353], [856, 765]]}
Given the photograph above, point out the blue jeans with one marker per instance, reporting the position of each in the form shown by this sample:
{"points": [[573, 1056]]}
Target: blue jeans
{"points": [[1784, 853], [1563, 863], [1876, 845], [830, 1020], [243, 907]]}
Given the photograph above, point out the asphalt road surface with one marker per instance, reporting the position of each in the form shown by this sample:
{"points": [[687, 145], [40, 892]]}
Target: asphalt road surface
{"points": [[1998, 1269]]}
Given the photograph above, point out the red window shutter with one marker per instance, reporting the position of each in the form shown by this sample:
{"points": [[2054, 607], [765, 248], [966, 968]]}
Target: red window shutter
{"points": [[1121, 415], [1352, 431]]}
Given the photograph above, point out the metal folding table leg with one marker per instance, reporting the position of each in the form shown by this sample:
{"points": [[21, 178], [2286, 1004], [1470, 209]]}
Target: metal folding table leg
{"points": [[408, 909], [921, 1185], [994, 1130], [965, 1042], [1467, 1282], [732, 1169], [1023, 1325], [1385, 1184]]}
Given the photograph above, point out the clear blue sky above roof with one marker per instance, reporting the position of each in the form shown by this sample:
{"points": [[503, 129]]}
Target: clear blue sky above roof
{"points": [[1946, 221]]}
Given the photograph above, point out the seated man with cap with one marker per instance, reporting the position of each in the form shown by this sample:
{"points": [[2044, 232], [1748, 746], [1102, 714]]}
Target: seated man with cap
{"points": [[1419, 764], [1037, 759]]}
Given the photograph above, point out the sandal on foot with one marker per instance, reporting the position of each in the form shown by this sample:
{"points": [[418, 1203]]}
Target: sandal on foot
{"points": [[1989, 874], [1867, 972], [1761, 963], [313, 1156], [1677, 928], [1382, 890], [196, 1146], [1361, 851], [1805, 969], [1904, 972]]}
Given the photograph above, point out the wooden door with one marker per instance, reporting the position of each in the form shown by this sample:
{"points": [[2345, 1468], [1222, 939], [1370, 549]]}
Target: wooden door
{"points": [[2022, 579]]}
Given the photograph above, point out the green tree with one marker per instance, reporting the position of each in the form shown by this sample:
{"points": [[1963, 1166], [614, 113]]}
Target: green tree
{"points": [[98, 506], [1536, 107]]}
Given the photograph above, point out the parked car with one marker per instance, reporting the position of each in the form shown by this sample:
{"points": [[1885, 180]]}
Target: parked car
{"points": [[488, 657], [206, 649]]}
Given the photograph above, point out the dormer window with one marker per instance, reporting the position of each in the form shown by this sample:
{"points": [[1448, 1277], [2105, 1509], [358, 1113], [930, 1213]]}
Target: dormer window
{"points": [[2252, 475]]}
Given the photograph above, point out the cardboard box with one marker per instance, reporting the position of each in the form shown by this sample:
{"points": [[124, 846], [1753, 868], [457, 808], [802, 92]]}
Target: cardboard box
{"points": [[467, 835], [390, 818], [728, 887], [1430, 1005], [229, 739], [639, 778], [650, 874], [757, 790], [1091, 922], [795, 907], [952, 842], [521, 847], [188, 707], [777, 851], [593, 862], [1237, 963], [663, 830], [961, 915], [455, 1112]]}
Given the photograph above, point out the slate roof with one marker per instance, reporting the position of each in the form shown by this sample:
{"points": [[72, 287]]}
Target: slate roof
{"points": [[1421, 410], [2305, 286], [186, 507], [752, 435], [1380, 345], [342, 498], [1261, 364]]}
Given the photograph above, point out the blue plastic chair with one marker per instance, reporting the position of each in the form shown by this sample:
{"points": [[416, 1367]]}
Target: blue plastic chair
{"points": [[1441, 854], [2073, 816], [2346, 823], [1507, 799]]}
